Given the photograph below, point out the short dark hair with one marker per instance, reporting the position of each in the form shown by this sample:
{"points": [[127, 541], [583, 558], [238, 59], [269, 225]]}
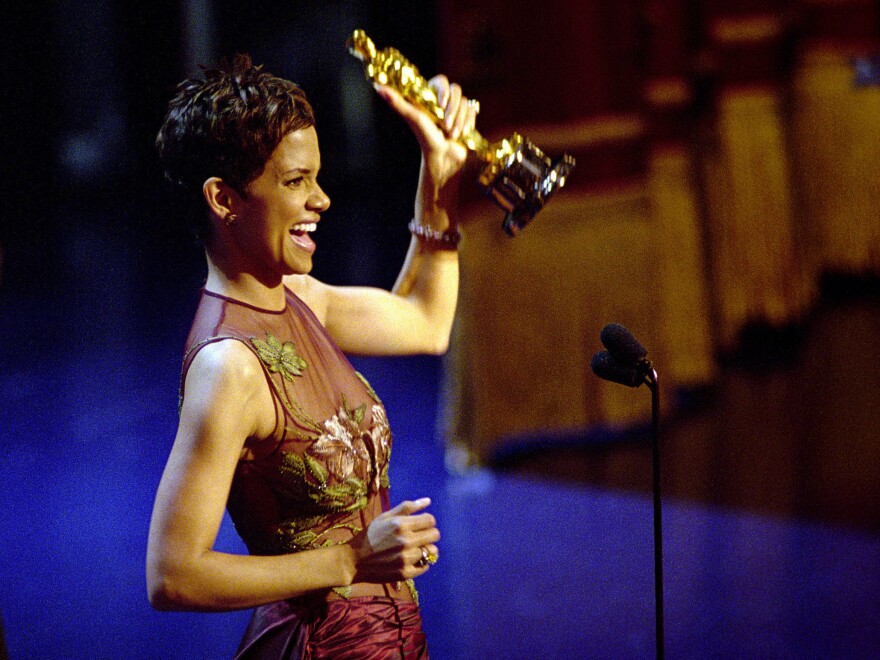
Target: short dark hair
{"points": [[227, 124]]}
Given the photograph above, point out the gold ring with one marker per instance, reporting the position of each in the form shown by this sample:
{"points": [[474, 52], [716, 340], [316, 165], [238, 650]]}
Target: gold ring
{"points": [[425, 559], [475, 104]]}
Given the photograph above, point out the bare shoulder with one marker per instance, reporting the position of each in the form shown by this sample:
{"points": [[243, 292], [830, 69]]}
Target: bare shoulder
{"points": [[312, 292], [226, 389], [225, 360]]}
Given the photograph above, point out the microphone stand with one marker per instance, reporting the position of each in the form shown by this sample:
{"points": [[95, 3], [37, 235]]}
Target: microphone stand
{"points": [[624, 362], [652, 381]]}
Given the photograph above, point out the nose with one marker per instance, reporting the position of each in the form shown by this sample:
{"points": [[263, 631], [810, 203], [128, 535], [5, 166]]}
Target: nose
{"points": [[318, 200]]}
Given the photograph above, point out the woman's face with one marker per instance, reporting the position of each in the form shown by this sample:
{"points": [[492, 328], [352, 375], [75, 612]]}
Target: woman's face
{"points": [[281, 208]]}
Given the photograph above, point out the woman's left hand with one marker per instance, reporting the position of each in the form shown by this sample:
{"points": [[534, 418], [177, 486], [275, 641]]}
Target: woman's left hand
{"points": [[444, 156]]}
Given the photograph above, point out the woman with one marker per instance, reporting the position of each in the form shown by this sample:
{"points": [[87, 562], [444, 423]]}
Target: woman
{"points": [[274, 421]]}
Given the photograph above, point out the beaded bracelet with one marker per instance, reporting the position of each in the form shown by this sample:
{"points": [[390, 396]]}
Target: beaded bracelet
{"points": [[445, 240]]}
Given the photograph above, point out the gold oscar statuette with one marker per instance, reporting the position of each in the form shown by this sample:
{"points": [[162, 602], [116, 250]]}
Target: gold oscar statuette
{"points": [[515, 173]]}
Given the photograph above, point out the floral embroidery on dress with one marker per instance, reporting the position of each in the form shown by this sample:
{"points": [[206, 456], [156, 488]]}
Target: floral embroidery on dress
{"points": [[342, 446], [278, 357], [370, 390], [335, 474], [309, 485], [299, 534], [296, 411], [351, 453], [345, 592], [411, 585], [380, 435]]}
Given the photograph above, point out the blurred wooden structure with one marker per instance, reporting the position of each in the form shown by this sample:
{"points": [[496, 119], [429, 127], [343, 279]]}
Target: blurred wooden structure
{"points": [[724, 162]]}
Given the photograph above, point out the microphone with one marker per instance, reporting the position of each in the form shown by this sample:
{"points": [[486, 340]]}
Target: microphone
{"points": [[621, 344], [625, 361], [607, 367]]}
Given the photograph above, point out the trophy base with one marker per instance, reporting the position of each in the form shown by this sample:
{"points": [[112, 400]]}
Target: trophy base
{"points": [[521, 179]]}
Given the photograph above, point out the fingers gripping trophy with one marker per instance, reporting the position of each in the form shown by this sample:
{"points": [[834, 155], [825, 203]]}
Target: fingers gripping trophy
{"points": [[515, 173]]}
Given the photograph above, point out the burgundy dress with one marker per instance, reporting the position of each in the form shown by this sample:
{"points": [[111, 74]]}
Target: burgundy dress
{"points": [[319, 482]]}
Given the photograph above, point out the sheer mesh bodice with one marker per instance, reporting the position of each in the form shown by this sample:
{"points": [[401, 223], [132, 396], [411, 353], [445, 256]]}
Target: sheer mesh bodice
{"points": [[324, 475]]}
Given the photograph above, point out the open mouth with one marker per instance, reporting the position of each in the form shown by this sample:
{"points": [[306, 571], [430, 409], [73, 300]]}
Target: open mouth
{"points": [[304, 228], [300, 235]]}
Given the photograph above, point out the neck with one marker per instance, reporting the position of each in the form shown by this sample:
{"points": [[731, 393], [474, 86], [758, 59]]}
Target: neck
{"points": [[243, 286]]}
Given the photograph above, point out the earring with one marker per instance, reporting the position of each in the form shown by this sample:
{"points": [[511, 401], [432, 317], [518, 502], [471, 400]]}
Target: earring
{"points": [[231, 219]]}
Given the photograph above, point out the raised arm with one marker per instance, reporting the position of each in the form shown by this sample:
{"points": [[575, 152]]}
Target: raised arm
{"points": [[417, 315], [227, 401]]}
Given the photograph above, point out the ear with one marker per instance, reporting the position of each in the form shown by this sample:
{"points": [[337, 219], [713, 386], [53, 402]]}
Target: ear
{"points": [[221, 198]]}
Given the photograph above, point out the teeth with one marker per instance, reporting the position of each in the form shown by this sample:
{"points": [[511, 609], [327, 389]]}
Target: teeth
{"points": [[306, 227]]}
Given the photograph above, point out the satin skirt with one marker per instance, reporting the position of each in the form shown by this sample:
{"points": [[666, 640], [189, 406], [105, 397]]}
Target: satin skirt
{"points": [[363, 628]]}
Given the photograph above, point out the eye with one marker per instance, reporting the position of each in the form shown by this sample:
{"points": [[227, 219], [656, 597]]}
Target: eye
{"points": [[295, 182]]}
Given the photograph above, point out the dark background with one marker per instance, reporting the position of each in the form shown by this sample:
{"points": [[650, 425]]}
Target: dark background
{"points": [[86, 85]]}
